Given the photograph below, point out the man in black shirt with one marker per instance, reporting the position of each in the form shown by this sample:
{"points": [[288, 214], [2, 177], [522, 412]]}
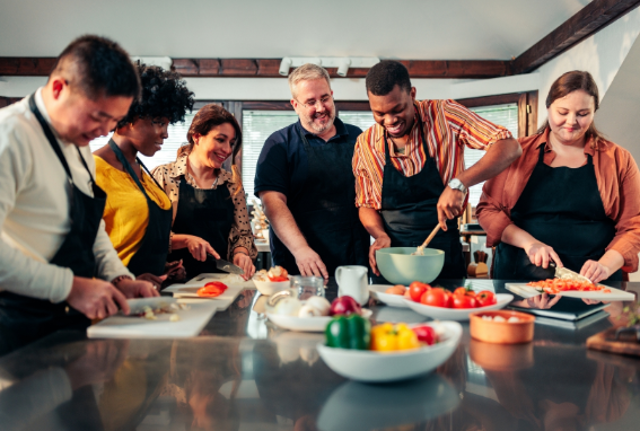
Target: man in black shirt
{"points": [[306, 184]]}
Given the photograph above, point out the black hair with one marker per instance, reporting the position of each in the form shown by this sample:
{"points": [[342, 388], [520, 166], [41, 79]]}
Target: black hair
{"points": [[384, 76], [102, 67], [164, 95]]}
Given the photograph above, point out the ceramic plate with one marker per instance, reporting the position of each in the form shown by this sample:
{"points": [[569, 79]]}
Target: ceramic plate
{"points": [[370, 366], [441, 313], [306, 324], [377, 292]]}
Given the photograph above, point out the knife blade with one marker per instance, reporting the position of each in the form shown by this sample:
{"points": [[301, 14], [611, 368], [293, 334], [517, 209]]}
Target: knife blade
{"points": [[225, 265], [567, 274]]}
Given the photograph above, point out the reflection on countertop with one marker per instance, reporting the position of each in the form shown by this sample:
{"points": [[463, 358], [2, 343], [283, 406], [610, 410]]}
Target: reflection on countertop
{"points": [[244, 373]]}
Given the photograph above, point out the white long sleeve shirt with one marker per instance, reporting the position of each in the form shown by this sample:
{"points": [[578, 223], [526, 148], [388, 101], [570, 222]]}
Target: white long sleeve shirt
{"points": [[34, 207]]}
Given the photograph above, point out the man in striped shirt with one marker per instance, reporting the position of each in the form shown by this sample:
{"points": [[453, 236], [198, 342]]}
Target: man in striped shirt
{"points": [[409, 167]]}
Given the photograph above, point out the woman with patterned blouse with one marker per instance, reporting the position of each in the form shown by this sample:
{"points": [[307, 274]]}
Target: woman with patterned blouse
{"points": [[209, 206]]}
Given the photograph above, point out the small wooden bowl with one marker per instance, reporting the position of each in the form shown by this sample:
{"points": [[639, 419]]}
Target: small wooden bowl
{"points": [[501, 332]]}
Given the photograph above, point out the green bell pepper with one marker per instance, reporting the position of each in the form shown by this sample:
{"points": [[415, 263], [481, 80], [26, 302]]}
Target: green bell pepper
{"points": [[352, 332]]}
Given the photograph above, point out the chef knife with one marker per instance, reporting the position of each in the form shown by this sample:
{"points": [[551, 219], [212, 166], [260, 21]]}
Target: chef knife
{"points": [[225, 265], [567, 274]]}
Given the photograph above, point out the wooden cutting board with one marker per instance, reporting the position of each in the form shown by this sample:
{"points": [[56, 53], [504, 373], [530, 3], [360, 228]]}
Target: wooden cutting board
{"points": [[605, 341]]}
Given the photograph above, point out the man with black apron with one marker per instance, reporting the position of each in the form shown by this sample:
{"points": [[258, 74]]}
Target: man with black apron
{"points": [[409, 167], [306, 184], [53, 241]]}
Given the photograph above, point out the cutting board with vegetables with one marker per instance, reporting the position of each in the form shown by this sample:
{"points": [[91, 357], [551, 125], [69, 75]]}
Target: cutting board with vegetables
{"points": [[190, 290], [613, 294], [189, 324], [605, 341]]}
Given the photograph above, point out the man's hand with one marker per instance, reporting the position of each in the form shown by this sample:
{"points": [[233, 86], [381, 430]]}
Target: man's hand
{"points": [[136, 288], [199, 248], [96, 298], [383, 241], [309, 263], [449, 206]]}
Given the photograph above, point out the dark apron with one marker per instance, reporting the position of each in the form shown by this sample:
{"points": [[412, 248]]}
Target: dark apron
{"points": [[151, 255], [207, 214], [409, 211], [325, 210], [24, 319], [562, 208]]}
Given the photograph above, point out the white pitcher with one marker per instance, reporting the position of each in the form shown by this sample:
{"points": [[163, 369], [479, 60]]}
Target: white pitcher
{"points": [[352, 281]]}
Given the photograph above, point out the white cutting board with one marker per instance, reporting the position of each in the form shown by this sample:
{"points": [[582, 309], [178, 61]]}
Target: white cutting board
{"points": [[190, 289], [190, 324], [521, 289], [228, 279]]}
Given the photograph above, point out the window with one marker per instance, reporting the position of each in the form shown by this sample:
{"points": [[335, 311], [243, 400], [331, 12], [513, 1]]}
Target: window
{"points": [[504, 115], [177, 138]]}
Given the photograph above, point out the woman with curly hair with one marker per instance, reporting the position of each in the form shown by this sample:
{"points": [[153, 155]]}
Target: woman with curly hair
{"points": [[210, 210], [138, 212]]}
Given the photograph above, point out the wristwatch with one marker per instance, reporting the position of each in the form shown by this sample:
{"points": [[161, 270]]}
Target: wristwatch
{"points": [[456, 184]]}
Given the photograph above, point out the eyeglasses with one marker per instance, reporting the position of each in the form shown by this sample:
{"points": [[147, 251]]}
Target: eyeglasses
{"points": [[323, 102]]}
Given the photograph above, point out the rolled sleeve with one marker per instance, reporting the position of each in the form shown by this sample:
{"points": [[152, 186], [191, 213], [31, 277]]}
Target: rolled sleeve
{"points": [[491, 213], [473, 130], [241, 234], [368, 193]]}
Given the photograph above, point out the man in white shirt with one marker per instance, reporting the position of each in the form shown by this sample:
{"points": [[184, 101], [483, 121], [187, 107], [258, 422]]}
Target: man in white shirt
{"points": [[53, 241]]}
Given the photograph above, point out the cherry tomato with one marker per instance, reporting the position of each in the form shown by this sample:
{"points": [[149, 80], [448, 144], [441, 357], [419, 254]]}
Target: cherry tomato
{"points": [[460, 291], [435, 297], [416, 289], [426, 334], [486, 298], [464, 301]]}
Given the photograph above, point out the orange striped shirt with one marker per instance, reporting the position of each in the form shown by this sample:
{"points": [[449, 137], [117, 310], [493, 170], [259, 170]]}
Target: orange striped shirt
{"points": [[448, 128]]}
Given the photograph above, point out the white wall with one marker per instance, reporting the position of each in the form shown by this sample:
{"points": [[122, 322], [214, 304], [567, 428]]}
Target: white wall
{"points": [[601, 54]]}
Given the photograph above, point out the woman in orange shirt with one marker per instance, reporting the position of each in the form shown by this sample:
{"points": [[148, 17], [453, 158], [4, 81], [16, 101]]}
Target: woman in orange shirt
{"points": [[571, 198]]}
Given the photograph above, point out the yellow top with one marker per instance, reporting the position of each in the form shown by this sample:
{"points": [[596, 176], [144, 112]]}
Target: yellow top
{"points": [[126, 213]]}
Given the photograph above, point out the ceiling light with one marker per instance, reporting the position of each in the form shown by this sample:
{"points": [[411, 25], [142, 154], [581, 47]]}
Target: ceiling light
{"points": [[341, 63], [285, 65], [344, 67]]}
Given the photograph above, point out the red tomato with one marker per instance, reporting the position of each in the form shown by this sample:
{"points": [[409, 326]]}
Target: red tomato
{"points": [[449, 299], [416, 289], [426, 334], [464, 301], [486, 298], [435, 297]]}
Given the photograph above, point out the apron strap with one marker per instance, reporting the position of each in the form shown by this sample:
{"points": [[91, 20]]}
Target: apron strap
{"points": [[127, 167], [54, 142]]}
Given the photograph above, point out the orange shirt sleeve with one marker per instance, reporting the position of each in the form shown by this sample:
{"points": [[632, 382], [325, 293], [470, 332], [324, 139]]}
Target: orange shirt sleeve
{"points": [[367, 172], [473, 130]]}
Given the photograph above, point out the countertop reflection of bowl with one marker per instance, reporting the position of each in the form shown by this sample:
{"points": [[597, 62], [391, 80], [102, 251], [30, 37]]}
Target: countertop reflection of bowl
{"points": [[398, 266], [501, 357], [355, 406]]}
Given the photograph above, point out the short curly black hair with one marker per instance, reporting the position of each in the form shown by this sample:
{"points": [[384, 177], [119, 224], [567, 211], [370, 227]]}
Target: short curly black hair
{"points": [[384, 76], [164, 95]]}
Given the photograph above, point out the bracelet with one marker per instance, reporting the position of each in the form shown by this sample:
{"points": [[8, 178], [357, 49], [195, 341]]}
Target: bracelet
{"points": [[119, 278]]}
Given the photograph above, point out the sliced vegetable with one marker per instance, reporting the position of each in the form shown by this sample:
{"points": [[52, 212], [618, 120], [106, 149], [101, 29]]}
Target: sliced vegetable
{"points": [[212, 289], [556, 285]]}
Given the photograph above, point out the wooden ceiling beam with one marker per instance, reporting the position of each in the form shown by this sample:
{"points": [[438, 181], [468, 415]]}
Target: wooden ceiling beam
{"points": [[589, 20]]}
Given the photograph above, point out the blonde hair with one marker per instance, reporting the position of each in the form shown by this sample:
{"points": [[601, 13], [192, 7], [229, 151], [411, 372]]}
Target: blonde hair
{"points": [[307, 72]]}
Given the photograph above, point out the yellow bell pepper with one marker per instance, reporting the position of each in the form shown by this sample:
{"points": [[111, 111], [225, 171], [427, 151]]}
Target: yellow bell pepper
{"points": [[388, 338]]}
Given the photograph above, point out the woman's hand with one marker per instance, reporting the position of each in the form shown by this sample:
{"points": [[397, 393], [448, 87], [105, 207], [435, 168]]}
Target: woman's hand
{"points": [[541, 255], [595, 271], [244, 262], [153, 279], [199, 248]]}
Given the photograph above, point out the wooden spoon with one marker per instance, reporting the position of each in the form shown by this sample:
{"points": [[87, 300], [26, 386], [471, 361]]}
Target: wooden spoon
{"points": [[420, 250]]}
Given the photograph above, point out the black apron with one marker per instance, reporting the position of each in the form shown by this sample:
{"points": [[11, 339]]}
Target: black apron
{"points": [[24, 319], [409, 211], [562, 208], [207, 214], [325, 210], [151, 255]]}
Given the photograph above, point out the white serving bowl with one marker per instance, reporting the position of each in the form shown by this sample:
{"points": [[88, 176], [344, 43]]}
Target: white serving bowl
{"points": [[377, 367], [377, 292], [268, 288], [442, 313]]}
